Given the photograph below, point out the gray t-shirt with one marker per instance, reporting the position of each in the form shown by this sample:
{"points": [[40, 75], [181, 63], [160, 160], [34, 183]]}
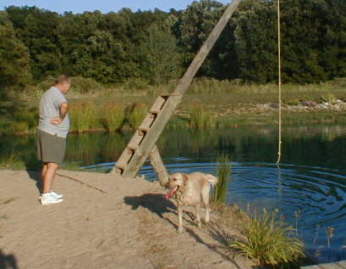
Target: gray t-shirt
{"points": [[50, 104]]}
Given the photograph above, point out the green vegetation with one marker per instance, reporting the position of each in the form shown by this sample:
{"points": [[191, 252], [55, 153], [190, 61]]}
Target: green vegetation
{"points": [[156, 46], [223, 174], [210, 104], [269, 241], [200, 118], [137, 114], [125, 58]]}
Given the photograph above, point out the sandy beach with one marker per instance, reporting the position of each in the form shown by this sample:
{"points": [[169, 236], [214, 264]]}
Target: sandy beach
{"points": [[105, 221]]}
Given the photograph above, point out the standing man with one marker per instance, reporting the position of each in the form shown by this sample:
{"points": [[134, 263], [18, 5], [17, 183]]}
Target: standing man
{"points": [[54, 125]]}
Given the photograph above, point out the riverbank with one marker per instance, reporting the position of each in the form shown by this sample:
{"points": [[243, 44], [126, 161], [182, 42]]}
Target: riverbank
{"points": [[106, 221], [209, 104]]}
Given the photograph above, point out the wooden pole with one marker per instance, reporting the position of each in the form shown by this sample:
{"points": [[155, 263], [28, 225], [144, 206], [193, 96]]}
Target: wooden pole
{"points": [[159, 167]]}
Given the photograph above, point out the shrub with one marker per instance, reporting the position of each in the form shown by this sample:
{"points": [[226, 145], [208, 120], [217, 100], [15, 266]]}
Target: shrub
{"points": [[329, 98], [85, 85], [136, 84], [269, 241]]}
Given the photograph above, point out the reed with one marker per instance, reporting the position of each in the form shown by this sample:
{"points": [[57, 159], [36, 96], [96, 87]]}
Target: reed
{"points": [[137, 114], [269, 241], [84, 117], [112, 117], [201, 118], [223, 173]]}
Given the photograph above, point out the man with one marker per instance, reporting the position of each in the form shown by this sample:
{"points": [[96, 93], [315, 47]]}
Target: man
{"points": [[54, 125]]}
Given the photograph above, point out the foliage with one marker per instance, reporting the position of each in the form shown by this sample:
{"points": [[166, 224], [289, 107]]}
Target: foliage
{"points": [[112, 117], [155, 46], [84, 117], [137, 114], [269, 241], [201, 118], [223, 174]]}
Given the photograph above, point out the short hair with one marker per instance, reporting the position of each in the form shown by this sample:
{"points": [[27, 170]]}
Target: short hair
{"points": [[62, 79]]}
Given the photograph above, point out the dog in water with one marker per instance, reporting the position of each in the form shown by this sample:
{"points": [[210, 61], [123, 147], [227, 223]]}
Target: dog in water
{"points": [[191, 190]]}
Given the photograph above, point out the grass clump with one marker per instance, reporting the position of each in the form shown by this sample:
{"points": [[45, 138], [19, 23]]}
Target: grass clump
{"points": [[201, 118], [112, 117], [223, 173], [137, 114], [270, 241], [84, 117]]}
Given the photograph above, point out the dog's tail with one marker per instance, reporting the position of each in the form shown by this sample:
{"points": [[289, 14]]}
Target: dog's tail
{"points": [[212, 179]]}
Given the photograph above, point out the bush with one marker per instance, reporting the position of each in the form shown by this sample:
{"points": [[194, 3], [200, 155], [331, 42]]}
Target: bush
{"points": [[85, 85], [136, 84], [269, 241]]}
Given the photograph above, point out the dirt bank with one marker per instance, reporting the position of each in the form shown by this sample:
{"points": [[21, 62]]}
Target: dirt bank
{"points": [[105, 222]]}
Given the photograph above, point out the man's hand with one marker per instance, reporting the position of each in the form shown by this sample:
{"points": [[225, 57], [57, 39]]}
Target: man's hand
{"points": [[56, 121]]}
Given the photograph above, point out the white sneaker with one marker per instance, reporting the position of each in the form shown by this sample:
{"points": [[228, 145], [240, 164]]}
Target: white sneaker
{"points": [[56, 195], [48, 199]]}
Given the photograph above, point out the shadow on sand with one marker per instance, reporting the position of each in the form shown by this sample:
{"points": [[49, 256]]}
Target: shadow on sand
{"points": [[7, 261], [154, 202], [159, 205]]}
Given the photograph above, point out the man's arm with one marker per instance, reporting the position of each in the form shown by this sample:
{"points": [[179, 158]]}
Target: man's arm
{"points": [[63, 110]]}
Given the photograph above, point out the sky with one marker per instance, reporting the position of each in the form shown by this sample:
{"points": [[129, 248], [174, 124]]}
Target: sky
{"points": [[78, 6]]}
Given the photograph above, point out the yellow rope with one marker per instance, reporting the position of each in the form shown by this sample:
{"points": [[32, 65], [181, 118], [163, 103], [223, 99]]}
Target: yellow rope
{"points": [[279, 82]]}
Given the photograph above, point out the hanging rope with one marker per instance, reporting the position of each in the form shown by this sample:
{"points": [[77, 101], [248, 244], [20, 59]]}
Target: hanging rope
{"points": [[279, 84]]}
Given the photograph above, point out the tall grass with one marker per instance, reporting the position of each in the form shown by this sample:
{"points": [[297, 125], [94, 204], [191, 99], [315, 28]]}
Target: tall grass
{"points": [[201, 118], [223, 173], [269, 241], [137, 114], [112, 117], [84, 117]]}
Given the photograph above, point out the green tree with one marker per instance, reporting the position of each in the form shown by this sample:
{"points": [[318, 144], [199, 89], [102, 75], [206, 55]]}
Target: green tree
{"points": [[38, 31], [14, 66], [160, 57]]}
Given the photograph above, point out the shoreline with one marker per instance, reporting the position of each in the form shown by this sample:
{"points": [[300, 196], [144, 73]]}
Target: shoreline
{"points": [[128, 225]]}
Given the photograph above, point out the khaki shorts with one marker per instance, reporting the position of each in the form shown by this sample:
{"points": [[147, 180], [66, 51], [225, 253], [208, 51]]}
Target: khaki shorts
{"points": [[50, 148]]}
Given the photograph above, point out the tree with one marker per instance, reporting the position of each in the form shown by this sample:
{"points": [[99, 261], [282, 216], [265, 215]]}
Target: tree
{"points": [[14, 65], [160, 57]]}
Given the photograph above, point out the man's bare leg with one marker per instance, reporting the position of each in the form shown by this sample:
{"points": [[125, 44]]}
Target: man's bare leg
{"points": [[49, 176]]}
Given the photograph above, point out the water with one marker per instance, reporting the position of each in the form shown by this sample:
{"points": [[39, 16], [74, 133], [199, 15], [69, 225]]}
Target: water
{"points": [[309, 188]]}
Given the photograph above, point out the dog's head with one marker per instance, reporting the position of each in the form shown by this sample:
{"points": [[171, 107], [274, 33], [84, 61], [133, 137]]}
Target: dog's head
{"points": [[175, 181]]}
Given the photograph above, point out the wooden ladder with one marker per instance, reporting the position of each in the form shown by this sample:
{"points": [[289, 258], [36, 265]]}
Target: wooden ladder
{"points": [[143, 143]]}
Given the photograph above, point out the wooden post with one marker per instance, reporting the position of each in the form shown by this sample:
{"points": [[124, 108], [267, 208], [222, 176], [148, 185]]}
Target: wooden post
{"points": [[159, 167]]}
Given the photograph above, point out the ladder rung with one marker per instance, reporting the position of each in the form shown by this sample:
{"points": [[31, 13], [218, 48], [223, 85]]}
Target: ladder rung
{"points": [[133, 146], [157, 106], [147, 122], [124, 159], [121, 165], [144, 129], [135, 141]]}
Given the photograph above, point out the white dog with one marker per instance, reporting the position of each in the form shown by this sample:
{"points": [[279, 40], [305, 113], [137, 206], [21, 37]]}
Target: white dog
{"points": [[191, 190]]}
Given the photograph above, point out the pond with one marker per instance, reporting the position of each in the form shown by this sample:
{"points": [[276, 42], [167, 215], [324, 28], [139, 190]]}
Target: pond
{"points": [[308, 189]]}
